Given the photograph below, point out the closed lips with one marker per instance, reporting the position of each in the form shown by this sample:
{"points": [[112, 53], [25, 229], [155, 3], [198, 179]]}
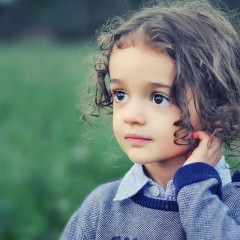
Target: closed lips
{"points": [[135, 136]]}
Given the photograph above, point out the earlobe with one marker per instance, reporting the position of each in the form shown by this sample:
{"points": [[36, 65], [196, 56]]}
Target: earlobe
{"points": [[195, 135]]}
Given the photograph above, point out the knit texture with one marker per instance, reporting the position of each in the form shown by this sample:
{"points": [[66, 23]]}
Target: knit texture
{"points": [[198, 214]]}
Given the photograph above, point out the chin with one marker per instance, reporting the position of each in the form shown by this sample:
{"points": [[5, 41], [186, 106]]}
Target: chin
{"points": [[141, 160]]}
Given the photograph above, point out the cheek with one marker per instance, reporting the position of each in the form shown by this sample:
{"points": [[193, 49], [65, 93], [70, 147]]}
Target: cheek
{"points": [[165, 124], [172, 116], [115, 124], [167, 131], [169, 128]]}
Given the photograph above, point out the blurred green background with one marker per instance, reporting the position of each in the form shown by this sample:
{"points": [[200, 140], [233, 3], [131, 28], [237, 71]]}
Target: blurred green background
{"points": [[49, 157]]}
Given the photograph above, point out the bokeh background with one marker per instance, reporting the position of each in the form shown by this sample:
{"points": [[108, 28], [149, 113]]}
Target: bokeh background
{"points": [[49, 157]]}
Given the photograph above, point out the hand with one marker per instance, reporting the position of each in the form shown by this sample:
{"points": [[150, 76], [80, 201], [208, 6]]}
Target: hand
{"points": [[209, 149]]}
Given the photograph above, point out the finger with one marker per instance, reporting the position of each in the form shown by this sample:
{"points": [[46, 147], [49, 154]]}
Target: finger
{"points": [[207, 140], [201, 135], [214, 141], [204, 136]]}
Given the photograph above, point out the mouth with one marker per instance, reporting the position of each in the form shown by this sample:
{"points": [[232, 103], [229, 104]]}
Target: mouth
{"points": [[137, 139]]}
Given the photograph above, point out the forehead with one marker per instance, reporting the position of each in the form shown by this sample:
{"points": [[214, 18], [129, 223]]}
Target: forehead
{"points": [[141, 63], [136, 51]]}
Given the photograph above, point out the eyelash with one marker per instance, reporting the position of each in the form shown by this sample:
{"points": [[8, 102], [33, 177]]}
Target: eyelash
{"points": [[115, 93], [163, 97], [154, 94]]}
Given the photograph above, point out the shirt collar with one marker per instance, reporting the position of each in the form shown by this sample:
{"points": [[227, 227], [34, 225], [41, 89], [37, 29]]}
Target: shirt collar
{"points": [[135, 179], [224, 171]]}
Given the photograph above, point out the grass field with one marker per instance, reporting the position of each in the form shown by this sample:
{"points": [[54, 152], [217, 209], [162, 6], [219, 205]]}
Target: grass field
{"points": [[49, 159]]}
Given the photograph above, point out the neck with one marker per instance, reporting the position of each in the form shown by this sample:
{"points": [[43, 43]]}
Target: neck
{"points": [[163, 171]]}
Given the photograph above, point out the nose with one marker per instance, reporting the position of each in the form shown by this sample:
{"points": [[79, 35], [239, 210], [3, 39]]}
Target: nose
{"points": [[134, 113]]}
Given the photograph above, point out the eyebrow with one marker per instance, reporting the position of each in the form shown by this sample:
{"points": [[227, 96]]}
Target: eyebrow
{"points": [[153, 84]]}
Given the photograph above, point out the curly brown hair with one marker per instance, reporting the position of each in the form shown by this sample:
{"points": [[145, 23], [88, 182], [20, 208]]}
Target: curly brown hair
{"points": [[206, 50]]}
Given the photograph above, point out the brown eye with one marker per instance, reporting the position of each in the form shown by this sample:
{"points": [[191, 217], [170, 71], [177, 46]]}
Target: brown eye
{"points": [[160, 99], [120, 96]]}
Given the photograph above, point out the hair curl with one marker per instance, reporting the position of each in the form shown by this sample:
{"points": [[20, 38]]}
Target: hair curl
{"points": [[206, 49]]}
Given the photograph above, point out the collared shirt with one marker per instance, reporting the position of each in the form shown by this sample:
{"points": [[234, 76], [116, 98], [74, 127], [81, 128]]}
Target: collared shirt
{"points": [[135, 180]]}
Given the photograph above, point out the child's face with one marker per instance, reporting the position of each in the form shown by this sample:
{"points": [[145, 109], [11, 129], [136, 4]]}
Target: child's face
{"points": [[143, 114]]}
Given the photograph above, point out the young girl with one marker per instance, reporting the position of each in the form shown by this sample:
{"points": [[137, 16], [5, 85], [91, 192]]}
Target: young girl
{"points": [[174, 88]]}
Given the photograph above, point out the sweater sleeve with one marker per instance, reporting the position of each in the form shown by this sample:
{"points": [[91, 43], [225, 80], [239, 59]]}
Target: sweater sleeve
{"points": [[82, 225], [203, 210], [73, 230]]}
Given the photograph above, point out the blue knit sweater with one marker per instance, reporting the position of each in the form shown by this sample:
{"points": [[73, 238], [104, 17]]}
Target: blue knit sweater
{"points": [[204, 209]]}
